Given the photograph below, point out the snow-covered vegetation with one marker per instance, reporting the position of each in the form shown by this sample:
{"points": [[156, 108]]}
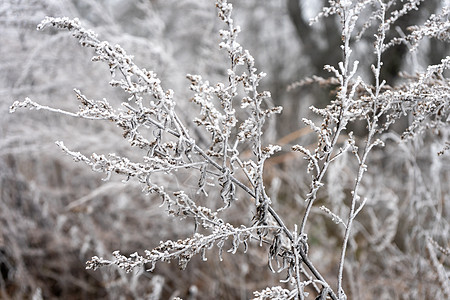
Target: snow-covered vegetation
{"points": [[263, 156]]}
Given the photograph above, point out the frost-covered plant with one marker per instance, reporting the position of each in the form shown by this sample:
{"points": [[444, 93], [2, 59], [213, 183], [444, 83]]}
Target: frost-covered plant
{"points": [[232, 118]]}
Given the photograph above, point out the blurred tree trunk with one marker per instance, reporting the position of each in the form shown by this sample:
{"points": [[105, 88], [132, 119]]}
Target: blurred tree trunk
{"points": [[320, 49]]}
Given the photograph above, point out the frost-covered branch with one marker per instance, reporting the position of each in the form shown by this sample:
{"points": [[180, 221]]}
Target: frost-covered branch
{"points": [[232, 117]]}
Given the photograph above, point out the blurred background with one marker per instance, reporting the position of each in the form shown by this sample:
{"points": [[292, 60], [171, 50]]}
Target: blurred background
{"points": [[56, 214]]}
